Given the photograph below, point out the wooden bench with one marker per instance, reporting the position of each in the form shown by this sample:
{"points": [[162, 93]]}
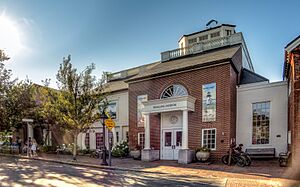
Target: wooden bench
{"points": [[261, 152]]}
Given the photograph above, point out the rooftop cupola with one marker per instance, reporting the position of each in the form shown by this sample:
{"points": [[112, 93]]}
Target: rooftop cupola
{"points": [[214, 36], [208, 34]]}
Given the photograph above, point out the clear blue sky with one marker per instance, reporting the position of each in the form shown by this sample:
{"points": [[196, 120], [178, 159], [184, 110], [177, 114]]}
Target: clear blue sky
{"points": [[119, 34]]}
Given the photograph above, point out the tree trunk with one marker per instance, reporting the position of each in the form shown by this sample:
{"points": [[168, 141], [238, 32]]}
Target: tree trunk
{"points": [[75, 146]]}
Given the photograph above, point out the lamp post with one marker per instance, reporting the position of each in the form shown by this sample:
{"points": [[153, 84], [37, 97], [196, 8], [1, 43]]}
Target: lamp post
{"points": [[103, 118]]}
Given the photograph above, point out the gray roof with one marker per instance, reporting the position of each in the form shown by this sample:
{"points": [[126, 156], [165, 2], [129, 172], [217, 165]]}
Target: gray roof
{"points": [[248, 77], [118, 83], [114, 86], [189, 62]]}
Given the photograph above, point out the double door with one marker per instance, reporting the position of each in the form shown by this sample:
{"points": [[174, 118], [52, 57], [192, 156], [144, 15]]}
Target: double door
{"points": [[171, 143]]}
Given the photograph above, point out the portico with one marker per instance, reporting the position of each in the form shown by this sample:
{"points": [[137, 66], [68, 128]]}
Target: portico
{"points": [[174, 132]]}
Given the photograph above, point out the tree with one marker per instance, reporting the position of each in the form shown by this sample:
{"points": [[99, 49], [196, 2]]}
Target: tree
{"points": [[3, 56], [16, 101], [75, 105]]}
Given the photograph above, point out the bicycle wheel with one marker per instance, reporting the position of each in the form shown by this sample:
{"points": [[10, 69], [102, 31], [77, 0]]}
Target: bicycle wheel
{"points": [[248, 160], [240, 161], [225, 159]]}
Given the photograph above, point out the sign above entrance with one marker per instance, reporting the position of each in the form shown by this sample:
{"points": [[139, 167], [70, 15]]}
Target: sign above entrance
{"points": [[169, 104]]}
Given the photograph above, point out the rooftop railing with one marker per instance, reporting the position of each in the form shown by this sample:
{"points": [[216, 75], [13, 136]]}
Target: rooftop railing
{"points": [[203, 46]]}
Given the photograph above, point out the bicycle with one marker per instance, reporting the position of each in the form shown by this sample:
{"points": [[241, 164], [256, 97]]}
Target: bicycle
{"points": [[236, 157], [243, 154]]}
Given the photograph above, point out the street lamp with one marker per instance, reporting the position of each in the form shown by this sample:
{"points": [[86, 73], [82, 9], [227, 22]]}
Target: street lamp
{"points": [[103, 118]]}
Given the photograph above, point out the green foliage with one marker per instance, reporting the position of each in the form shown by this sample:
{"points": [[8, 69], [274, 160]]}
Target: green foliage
{"points": [[16, 101], [121, 149], [4, 136], [48, 149], [202, 149], [75, 105], [85, 151]]}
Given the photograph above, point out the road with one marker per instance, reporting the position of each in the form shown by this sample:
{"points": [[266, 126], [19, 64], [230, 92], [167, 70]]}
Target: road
{"points": [[23, 172]]}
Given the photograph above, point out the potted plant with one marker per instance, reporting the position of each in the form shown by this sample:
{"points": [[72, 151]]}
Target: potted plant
{"points": [[136, 153], [202, 153]]}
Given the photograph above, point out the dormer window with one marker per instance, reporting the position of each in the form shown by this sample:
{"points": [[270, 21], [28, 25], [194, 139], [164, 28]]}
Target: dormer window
{"points": [[202, 38], [228, 32], [192, 40], [215, 34]]}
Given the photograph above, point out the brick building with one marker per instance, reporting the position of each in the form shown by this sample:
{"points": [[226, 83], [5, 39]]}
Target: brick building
{"points": [[189, 99], [292, 75]]}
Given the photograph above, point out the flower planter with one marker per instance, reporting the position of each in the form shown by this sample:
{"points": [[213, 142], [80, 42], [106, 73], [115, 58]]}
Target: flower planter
{"points": [[136, 154], [202, 156]]}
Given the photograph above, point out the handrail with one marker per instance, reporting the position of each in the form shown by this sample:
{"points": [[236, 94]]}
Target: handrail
{"points": [[202, 46]]}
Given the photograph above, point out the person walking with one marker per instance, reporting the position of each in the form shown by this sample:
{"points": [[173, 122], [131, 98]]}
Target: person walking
{"points": [[34, 147]]}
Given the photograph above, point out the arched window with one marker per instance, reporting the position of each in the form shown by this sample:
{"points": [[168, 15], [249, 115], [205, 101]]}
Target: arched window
{"points": [[173, 91]]}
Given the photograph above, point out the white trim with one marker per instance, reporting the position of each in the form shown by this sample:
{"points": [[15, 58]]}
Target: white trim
{"points": [[260, 85], [181, 86], [261, 145], [169, 104], [215, 137], [293, 45]]}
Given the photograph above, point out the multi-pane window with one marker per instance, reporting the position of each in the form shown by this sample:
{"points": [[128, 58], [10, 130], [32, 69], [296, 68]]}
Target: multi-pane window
{"points": [[261, 123], [192, 40], [209, 138], [99, 141], [141, 139], [202, 38], [228, 32], [174, 91], [215, 34], [87, 140], [127, 136]]}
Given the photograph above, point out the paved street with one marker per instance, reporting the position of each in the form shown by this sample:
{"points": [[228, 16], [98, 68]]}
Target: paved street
{"points": [[24, 172]]}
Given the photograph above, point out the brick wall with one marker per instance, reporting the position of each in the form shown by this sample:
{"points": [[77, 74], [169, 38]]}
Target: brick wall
{"points": [[294, 111], [225, 78]]}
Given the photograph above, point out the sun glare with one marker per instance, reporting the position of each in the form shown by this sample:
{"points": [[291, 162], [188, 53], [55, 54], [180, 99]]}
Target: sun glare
{"points": [[10, 40]]}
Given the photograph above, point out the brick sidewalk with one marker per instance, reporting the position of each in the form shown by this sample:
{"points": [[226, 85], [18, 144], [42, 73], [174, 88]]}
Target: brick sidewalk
{"points": [[260, 173]]}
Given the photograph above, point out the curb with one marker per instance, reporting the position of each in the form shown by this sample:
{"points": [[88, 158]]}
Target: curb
{"points": [[79, 164]]}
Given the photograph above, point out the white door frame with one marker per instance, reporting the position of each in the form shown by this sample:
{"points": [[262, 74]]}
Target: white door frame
{"points": [[174, 129]]}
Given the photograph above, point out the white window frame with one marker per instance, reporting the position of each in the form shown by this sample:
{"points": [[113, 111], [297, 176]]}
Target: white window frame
{"points": [[139, 136], [270, 113], [215, 137]]}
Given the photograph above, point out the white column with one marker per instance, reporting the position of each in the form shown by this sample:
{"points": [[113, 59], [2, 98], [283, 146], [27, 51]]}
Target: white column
{"points": [[147, 130], [185, 130], [114, 136]]}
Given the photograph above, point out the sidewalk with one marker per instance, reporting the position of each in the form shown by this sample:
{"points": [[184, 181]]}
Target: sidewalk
{"points": [[260, 173]]}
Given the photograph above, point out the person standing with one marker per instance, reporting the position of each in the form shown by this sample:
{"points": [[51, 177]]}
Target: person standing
{"points": [[19, 143], [34, 147], [29, 144]]}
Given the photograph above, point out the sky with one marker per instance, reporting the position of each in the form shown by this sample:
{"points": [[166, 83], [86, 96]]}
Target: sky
{"points": [[121, 34]]}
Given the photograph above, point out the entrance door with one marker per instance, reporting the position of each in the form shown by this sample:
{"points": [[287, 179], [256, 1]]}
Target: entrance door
{"points": [[172, 140]]}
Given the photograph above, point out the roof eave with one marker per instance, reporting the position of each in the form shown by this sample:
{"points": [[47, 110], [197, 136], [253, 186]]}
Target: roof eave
{"points": [[293, 44], [190, 68]]}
